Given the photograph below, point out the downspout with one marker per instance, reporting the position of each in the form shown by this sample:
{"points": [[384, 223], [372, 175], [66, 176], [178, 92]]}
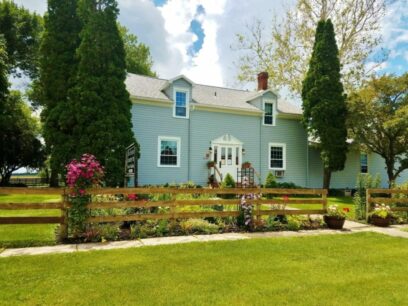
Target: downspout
{"points": [[307, 162], [189, 146], [260, 149]]}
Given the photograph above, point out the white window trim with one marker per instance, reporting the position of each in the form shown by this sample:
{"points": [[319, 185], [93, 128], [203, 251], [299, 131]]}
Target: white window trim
{"points": [[186, 91], [178, 139], [368, 166], [273, 110], [283, 145]]}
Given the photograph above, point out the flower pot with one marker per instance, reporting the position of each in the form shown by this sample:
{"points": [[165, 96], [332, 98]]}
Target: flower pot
{"points": [[378, 221], [246, 166], [210, 165], [334, 222]]}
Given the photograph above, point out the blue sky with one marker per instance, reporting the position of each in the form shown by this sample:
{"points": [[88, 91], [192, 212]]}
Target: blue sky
{"points": [[194, 37]]}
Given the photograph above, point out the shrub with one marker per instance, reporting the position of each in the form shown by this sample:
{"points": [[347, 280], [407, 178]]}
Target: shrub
{"points": [[270, 181], [228, 182], [81, 175], [364, 181], [109, 232], [150, 228], [198, 226], [294, 224]]}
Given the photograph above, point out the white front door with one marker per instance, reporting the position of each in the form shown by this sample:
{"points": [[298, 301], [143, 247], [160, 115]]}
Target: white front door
{"points": [[228, 158]]}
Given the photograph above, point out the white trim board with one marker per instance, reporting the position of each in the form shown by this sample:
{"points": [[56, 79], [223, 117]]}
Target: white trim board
{"points": [[171, 138]]}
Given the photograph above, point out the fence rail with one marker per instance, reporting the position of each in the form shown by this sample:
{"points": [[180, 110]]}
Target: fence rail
{"points": [[386, 200], [263, 207]]}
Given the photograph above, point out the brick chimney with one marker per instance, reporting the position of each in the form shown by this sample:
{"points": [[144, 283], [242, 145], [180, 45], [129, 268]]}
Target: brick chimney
{"points": [[263, 80]]}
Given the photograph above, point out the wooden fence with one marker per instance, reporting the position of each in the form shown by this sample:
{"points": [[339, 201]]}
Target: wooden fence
{"points": [[386, 196], [263, 206]]}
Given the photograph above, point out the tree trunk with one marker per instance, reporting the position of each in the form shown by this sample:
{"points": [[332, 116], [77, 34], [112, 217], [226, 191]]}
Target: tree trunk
{"points": [[5, 179], [54, 178], [390, 173], [326, 178]]}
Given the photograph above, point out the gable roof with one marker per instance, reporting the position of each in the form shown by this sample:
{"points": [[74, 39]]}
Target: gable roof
{"points": [[212, 96]]}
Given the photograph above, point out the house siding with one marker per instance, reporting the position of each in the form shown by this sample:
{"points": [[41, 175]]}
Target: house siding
{"points": [[347, 178], [150, 122], [303, 164], [207, 126]]}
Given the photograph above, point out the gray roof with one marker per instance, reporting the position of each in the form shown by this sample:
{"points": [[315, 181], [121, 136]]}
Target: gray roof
{"points": [[149, 87]]}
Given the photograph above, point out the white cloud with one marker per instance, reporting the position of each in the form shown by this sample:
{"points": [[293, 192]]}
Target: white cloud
{"points": [[166, 30], [393, 25]]}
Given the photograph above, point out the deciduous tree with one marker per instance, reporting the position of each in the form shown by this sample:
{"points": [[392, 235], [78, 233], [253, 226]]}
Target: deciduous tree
{"points": [[378, 120], [138, 58], [19, 138], [284, 49], [324, 102], [22, 31]]}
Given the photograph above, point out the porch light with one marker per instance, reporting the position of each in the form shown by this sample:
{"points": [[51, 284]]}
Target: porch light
{"points": [[209, 153], [243, 151]]}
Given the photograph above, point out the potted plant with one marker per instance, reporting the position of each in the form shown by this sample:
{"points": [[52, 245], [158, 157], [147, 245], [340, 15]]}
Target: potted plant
{"points": [[381, 216], [246, 165], [210, 164], [335, 217]]}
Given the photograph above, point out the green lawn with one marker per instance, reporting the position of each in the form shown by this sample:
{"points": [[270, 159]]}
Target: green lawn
{"points": [[342, 202], [355, 269], [23, 235]]}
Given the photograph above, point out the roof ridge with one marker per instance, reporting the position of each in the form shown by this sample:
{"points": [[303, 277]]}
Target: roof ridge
{"points": [[228, 88], [161, 79], [147, 76]]}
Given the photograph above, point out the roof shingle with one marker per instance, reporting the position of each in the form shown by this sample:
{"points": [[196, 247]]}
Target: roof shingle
{"points": [[149, 87]]}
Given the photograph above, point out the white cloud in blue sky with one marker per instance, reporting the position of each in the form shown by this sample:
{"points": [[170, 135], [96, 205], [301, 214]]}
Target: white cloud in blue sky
{"points": [[193, 37]]}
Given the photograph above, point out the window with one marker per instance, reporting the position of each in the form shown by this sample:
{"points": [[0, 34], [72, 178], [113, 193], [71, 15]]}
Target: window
{"points": [[363, 163], [277, 156], [180, 104], [268, 114], [168, 152]]}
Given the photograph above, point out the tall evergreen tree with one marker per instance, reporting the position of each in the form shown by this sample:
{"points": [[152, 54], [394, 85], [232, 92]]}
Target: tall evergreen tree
{"points": [[324, 101], [101, 102], [4, 84], [58, 67]]}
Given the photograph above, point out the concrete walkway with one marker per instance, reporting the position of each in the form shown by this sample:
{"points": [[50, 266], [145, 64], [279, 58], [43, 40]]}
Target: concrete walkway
{"points": [[349, 227]]}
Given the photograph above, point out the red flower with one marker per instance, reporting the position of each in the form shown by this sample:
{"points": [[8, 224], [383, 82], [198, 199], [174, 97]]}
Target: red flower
{"points": [[285, 197], [346, 209], [132, 197]]}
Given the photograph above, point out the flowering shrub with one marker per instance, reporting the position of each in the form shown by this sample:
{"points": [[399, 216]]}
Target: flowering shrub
{"points": [[82, 174], [382, 211], [335, 211], [247, 209]]}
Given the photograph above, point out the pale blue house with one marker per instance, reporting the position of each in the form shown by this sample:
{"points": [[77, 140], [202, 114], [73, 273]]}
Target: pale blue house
{"points": [[180, 126]]}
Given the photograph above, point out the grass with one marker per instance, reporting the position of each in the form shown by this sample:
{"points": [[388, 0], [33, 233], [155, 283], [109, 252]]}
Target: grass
{"points": [[342, 202], [355, 269], [23, 235]]}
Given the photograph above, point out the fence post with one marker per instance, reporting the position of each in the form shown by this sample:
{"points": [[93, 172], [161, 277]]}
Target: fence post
{"points": [[324, 198], [64, 218], [368, 203], [173, 207]]}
